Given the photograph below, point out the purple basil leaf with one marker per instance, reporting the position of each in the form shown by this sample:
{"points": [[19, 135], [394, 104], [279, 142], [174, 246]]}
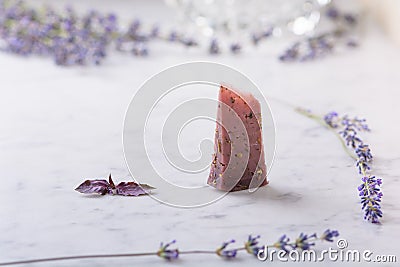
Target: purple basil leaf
{"points": [[111, 182], [146, 187], [130, 189], [95, 186]]}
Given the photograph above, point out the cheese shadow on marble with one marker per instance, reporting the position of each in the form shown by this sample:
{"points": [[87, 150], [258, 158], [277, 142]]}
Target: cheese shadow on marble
{"points": [[267, 193]]}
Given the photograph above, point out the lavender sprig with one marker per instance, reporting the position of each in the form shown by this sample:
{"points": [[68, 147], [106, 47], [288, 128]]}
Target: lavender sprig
{"points": [[347, 129], [303, 242]]}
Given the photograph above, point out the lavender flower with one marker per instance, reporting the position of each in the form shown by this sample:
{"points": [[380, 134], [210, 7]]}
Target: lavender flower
{"points": [[371, 197], [188, 42], [235, 48], [257, 37], [283, 243], [303, 242], [214, 47], [372, 212], [332, 119], [291, 54], [332, 13], [356, 123], [155, 31], [173, 36], [352, 43], [166, 253], [363, 152], [350, 19], [328, 235], [251, 245], [140, 49], [226, 253], [349, 134], [362, 166]]}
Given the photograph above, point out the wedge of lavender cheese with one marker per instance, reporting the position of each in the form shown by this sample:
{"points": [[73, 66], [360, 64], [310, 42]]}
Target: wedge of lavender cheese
{"points": [[238, 162]]}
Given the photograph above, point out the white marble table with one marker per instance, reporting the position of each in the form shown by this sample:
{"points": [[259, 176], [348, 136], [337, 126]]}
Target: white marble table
{"points": [[61, 125]]}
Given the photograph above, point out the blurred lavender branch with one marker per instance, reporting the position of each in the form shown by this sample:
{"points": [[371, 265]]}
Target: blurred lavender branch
{"points": [[74, 39], [322, 44]]}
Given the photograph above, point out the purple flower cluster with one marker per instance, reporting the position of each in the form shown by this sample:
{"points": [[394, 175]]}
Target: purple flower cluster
{"points": [[328, 235], [371, 198], [283, 243], [304, 241], [323, 44], [214, 47], [257, 37], [166, 253], [223, 252], [332, 119], [369, 191], [251, 245]]}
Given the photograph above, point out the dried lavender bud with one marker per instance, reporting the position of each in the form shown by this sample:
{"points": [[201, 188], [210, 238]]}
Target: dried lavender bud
{"points": [[188, 42], [303, 242], [251, 245], [257, 37], [291, 54], [214, 47], [332, 119], [223, 252], [350, 19], [173, 36], [332, 13], [235, 48], [328, 235], [283, 243], [139, 49], [352, 43], [166, 253]]}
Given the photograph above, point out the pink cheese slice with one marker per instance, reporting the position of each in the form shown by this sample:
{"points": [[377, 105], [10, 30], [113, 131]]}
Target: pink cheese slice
{"points": [[238, 161]]}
